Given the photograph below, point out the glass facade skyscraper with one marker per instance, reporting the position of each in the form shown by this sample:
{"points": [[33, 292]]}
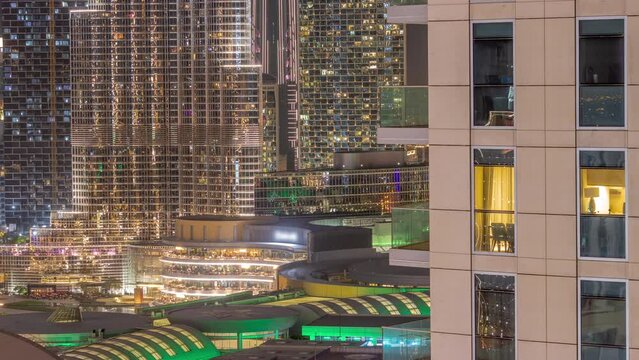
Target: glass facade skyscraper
{"points": [[37, 110], [347, 51]]}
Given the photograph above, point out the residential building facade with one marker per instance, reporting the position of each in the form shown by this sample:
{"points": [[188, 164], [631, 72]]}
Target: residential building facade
{"points": [[533, 173]]}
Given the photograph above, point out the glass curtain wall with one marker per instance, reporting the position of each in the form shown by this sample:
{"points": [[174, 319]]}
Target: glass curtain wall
{"points": [[601, 73], [494, 200], [603, 320], [602, 215], [494, 317], [493, 67]]}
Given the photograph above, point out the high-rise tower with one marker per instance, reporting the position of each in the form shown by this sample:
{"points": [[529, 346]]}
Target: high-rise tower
{"points": [[347, 51], [36, 94]]}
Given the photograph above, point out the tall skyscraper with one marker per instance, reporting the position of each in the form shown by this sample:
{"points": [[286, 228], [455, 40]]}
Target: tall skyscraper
{"points": [[347, 51], [275, 48], [165, 111], [37, 110]]}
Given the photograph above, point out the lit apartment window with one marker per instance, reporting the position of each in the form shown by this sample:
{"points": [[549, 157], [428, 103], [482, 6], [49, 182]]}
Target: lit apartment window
{"points": [[494, 194], [494, 317], [603, 320], [601, 73], [602, 214], [493, 91]]}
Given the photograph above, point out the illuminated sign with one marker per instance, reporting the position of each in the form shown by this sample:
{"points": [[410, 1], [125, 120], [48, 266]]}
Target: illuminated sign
{"points": [[285, 236]]}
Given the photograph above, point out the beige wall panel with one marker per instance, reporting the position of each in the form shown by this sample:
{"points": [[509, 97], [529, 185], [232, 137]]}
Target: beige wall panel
{"points": [[440, 260], [632, 37], [632, 192], [560, 51], [561, 267], [561, 237], [448, 107], [560, 108], [559, 8], [449, 174], [447, 12], [448, 137], [561, 317], [450, 231], [632, 118], [530, 177], [603, 269], [448, 53], [528, 350], [529, 108], [529, 52], [451, 301], [492, 137], [560, 139], [531, 235], [633, 233], [561, 352], [531, 308], [530, 138], [491, 11], [495, 263], [600, 7], [529, 9], [451, 346], [531, 266], [601, 138], [561, 181], [633, 313]]}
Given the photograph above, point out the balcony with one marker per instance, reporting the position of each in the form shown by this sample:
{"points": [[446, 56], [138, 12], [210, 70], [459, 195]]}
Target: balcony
{"points": [[403, 115], [408, 12]]}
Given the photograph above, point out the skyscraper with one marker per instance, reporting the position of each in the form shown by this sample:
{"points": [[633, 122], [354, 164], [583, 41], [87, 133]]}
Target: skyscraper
{"points": [[37, 109], [275, 48], [347, 51], [165, 111]]}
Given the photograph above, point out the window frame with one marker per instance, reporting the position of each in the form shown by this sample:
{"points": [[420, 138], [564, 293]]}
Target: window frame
{"points": [[472, 199], [472, 75], [578, 182], [627, 317], [625, 75], [474, 305]]}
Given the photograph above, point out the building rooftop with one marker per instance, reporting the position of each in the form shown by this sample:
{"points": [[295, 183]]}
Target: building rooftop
{"points": [[235, 318], [364, 320], [306, 350], [17, 347], [36, 323]]}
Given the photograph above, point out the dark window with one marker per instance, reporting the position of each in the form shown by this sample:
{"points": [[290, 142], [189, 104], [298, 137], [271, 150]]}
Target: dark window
{"points": [[603, 320], [601, 73], [493, 92], [494, 317]]}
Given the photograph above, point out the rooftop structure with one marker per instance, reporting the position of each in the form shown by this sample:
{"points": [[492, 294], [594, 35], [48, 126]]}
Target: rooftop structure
{"points": [[237, 327], [51, 330], [306, 350], [166, 342], [17, 347]]}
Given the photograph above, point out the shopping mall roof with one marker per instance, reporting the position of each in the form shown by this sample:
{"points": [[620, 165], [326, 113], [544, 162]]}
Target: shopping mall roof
{"points": [[363, 320], [174, 341], [306, 350], [407, 304], [18, 347], [235, 318], [39, 323]]}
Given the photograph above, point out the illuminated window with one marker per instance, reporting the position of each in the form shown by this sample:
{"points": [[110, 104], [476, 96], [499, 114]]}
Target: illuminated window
{"points": [[392, 309], [494, 317], [172, 337], [602, 214], [325, 308], [603, 312], [493, 66], [94, 353], [408, 303], [126, 347], [349, 309], [113, 351], [371, 309], [494, 200], [145, 346], [188, 335], [422, 296]]}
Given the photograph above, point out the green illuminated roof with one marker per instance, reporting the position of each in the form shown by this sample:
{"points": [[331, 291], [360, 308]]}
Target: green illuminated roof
{"points": [[408, 303], [175, 341]]}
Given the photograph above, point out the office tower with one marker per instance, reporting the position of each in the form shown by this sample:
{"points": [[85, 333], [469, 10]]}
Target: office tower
{"points": [[275, 48], [347, 51], [533, 177], [37, 110], [171, 123]]}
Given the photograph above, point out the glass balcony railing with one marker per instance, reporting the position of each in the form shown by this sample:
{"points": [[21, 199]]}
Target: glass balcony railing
{"points": [[601, 106], [408, 2], [404, 106], [603, 236]]}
